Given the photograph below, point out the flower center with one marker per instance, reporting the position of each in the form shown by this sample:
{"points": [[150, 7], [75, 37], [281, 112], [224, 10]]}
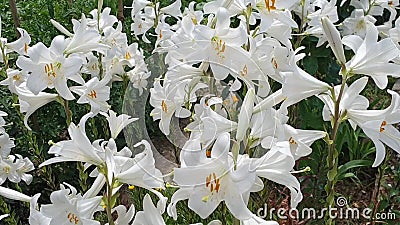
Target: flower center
{"points": [[50, 69], [292, 141], [270, 4], [219, 46], [164, 106], [26, 48], [360, 25], [160, 35], [208, 153], [17, 77], [274, 63], [244, 71], [73, 218], [213, 183], [93, 94], [7, 169], [235, 98], [383, 124], [194, 20], [127, 56], [94, 66]]}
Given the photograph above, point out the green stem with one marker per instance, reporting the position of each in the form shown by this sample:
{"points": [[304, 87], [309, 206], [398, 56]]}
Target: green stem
{"points": [[109, 202], [332, 159], [378, 184], [5, 58], [68, 112], [301, 38]]}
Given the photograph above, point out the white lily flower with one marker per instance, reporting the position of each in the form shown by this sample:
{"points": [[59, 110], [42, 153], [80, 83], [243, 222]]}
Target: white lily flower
{"points": [[142, 22], [149, 215], [299, 140], [299, 85], [2, 122], [366, 59], [356, 23], [220, 46], [165, 103], [78, 149], [69, 207], [91, 66], [6, 144], [124, 217], [15, 195], [84, 39], [22, 44], [208, 123], [27, 166], [326, 9], [140, 170], [372, 57], [214, 180], [14, 168], [333, 36], [15, 78], [264, 126], [105, 20], [49, 68], [30, 102], [138, 77], [94, 92], [271, 10], [4, 216], [117, 123], [35, 216], [276, 165], [116, 39], [351, 99], [173, 9], [378, 126], [245, 114]]}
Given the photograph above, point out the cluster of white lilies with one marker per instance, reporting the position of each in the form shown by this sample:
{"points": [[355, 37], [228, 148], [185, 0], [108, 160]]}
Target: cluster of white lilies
{"points": [[246, 43]]}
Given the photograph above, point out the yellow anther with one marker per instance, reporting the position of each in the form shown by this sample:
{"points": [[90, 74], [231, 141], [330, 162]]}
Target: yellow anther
{"points": [[235, 98], [244, 71], [292, 141], [26, 48], [270, 4], [7, 169], [158, 189], [127, 56], [93, 94], [274, 63], [73, 218], [164, 106], [213, 183], [194, 20], [17, 77], [49, 70], [383, 124]]}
